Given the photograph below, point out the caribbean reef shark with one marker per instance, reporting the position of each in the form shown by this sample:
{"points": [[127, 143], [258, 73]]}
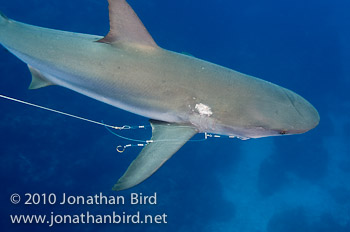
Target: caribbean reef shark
{"points": [[182, 95]]}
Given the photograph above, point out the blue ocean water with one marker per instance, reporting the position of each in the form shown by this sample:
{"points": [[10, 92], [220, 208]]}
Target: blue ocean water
{"points": [[281, 184]]}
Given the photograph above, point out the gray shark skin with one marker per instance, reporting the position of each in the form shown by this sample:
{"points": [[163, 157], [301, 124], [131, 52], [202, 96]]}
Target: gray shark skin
{"points": [[182, 95]]}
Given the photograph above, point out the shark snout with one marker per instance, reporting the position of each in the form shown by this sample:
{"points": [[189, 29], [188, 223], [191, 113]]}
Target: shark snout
{"points": [[309, 116], [306, 116]]}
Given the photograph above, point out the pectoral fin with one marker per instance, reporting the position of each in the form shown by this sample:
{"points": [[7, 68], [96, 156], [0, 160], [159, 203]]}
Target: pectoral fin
{"points": [[167, 139]]}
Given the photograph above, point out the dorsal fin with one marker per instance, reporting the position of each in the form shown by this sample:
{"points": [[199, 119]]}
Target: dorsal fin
{"points": [[125, 26]]}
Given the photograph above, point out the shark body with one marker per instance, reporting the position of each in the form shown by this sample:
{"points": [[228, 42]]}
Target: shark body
{"points": [[182, 95]]}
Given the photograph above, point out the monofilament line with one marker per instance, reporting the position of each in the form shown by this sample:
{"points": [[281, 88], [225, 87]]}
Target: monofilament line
{"points": [[58, 112], [144, 142]]}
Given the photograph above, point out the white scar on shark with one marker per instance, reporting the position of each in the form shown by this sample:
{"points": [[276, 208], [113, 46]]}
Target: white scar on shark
{"points": [[203, 109], [128, 70]]}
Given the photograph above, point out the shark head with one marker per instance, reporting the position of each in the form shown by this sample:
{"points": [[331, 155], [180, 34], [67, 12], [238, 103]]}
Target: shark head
{"points": [[299, 115], [295, 118], [269, 110], [287, 113]]}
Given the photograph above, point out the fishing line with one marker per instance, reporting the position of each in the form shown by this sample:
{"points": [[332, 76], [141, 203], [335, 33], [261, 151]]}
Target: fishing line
{"points": [[107, 126], [130, 139], [60, 112], [120, 148]]}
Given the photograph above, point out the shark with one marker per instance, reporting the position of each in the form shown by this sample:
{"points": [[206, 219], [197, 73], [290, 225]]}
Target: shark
{"points": [[180, 94]]}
